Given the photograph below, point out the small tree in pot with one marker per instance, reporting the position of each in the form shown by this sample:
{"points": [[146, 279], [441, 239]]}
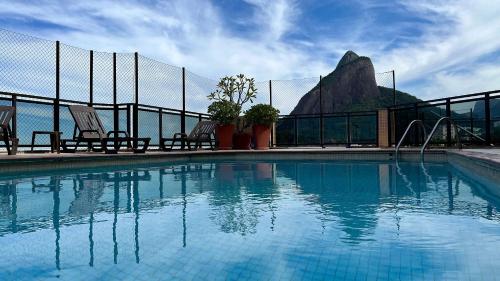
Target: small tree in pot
{"points": [[237, 91], [262, 116], [225, 114]]}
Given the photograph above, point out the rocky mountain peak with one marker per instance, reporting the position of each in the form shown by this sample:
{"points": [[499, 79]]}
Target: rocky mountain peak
{"points": [[348, 57]]}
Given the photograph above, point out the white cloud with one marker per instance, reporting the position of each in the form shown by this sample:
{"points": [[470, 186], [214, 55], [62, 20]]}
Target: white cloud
{"points": [[462, 32], [194, 34]]}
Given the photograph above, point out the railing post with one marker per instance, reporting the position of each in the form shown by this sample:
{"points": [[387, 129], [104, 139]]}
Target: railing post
{"points": [[393, 87], [321, 134], [296, 134], [377, 127], [135, 110], [389, 126], [91, 78], [348, 129], [14, 117], [416, 132], [271, 104], [448, 124], [116, 117], [129, 125], [160, 125], [487, 118], [56, 101], [183, 113]]}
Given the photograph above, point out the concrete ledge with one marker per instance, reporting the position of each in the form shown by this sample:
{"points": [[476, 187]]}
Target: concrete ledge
{"points": [[23, 163]]}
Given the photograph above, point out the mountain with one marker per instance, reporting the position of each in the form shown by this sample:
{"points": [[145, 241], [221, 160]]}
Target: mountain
{"points": [[350, 87]]}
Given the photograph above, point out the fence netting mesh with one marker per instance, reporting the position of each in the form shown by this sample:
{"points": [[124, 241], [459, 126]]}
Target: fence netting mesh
{"points": [[27, 64], [160, 84], [74, 73], [103, 78], [197, 90], [287, 93], [125, 78]]}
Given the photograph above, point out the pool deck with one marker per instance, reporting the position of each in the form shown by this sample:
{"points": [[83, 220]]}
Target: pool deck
{"points": [[490, 155], [482, 162]]}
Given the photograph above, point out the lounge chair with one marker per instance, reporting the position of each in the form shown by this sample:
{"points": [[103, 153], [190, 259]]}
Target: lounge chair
{"points": [[6, 113], [90, 130], [204, 131]]}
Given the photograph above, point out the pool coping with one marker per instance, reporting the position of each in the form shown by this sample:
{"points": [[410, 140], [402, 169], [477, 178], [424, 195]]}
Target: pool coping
{"points": [[30, 162], [488, 163]]}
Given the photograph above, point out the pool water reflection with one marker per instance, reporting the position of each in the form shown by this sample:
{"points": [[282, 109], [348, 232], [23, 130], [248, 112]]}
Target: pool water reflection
{"points": [[291, 220]]}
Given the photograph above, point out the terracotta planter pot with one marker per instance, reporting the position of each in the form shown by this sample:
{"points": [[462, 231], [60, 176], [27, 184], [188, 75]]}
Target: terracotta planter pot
{"points": [[262, 136], [264, 171], [242, 141], [224, 135]]}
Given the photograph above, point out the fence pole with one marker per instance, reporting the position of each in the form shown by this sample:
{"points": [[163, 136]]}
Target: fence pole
{"points": [[91, 78], [448, 124], [296, 139], [14, 117], [393, 87], [389, 126], [116, 117], [271, 104], [56, 101], [487, 118], [321, 113], [183, 113], [160, 125], [135, 113], [348, 129]]}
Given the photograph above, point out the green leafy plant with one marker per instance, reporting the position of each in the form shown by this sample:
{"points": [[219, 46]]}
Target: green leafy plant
{"points": [[237, 89], [224, 112], [262, 114]]}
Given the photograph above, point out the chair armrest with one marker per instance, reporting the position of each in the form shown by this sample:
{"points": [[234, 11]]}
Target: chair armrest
{"points": [[117, 133], [180, 134], [88, 131]]}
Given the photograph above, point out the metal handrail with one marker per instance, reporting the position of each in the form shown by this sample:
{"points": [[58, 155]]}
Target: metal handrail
{"points": [[416, 121], [422, 150]]}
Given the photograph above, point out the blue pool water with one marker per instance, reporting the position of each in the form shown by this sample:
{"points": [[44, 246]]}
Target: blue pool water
{"points": [[284, 220]]}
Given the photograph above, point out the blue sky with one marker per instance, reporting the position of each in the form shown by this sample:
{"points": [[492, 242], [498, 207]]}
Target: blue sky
{"points": [[437, 48]]}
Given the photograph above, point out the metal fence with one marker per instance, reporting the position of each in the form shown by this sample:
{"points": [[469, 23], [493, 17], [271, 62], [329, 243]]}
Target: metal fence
{"points": [[144, 97], [478, 113], [326, 127]]}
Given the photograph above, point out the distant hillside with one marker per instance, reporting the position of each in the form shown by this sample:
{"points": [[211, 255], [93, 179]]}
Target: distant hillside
{"points": [[350, 87]]}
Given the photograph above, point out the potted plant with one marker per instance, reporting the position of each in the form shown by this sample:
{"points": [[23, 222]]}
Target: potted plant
{"points": [[236, 90], [225, 114], [262, 116], [242, 138]]}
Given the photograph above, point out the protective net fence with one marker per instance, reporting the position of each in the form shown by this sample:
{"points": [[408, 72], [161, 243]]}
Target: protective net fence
{"points": [[197, 90], [74, 73], [29, 67], [27, 64], [125, 78], [160, 84], [286, 94]]}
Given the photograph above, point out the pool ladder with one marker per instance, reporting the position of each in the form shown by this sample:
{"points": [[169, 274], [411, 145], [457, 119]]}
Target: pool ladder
{"points": [[429, 137]]}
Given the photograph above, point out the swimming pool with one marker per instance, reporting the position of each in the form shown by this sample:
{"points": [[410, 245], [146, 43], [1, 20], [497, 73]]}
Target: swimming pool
{"points": [[250, 220]]}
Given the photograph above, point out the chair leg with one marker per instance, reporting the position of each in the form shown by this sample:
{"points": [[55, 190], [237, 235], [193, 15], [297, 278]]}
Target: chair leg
{"points": [[33, 135], [173, 142], [6, 140]]}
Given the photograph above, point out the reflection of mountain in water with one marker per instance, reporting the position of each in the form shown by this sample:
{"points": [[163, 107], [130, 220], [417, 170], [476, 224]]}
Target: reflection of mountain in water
{"points": [[347, 192]]}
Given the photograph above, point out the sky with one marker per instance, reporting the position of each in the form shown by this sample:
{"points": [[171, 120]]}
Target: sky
{"points": [[437, 48]]}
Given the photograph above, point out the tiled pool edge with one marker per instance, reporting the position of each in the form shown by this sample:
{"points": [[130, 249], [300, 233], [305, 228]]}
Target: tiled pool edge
{"points": [[45, 162]]}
